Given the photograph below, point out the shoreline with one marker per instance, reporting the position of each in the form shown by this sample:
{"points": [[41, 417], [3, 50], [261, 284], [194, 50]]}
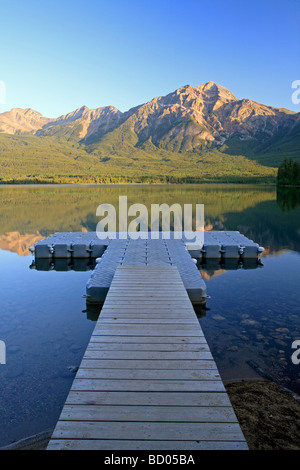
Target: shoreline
{"points": [[268, 417], [204, 183], [268, 414], [35, 442]]}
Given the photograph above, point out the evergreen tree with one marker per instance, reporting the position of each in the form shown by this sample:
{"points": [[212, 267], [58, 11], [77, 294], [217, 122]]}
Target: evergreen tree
{"points": [[288, 173]]}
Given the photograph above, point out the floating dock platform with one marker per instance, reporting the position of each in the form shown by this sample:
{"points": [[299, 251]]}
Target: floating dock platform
{"points": [[161, 251], [147, 379], [145, 253], [210, 244]]}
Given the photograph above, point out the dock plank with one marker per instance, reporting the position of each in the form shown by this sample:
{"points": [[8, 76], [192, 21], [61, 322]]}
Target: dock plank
{"points": [[188, 414], [108, 444], [89, 397], [120, 430], [147, 374], [148, 385], [98, 344], [150, 364], [94, 353]]}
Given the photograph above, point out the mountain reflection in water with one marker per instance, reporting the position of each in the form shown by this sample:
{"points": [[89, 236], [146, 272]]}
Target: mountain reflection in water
{"points": [[252, 313]]}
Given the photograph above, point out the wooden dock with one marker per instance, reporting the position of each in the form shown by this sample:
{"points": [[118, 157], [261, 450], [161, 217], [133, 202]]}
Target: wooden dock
{"points": [[147, 379]]}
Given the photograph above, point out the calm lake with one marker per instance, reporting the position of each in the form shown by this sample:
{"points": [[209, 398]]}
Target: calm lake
{"points": [[252, 314]]}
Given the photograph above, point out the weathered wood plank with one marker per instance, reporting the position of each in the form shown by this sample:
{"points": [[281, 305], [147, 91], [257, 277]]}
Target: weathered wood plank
{"points": [[145, 288], [146, 321], [146, 330], [147, 374], [153, 302], [89, 397], [150, 294], [149, 364], [107, 444], [149, 385], [170, 315], [148, 355], [187, 414], [147, 311], [180, 339], [147, 346], [148, 430], [134, 318]]}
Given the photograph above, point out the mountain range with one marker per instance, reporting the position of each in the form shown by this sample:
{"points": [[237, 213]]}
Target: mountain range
{"points": [[191, 131]]}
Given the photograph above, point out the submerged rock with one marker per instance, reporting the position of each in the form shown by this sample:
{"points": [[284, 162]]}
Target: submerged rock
{"points": [[218, 317]]}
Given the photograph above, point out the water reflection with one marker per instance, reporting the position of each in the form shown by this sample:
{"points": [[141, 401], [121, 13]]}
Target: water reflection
{"points": [[93, 311], [87, 264], [214, 266], [45, 329], [31, 213], [63, 264], [208, 268], [252, 314], [288, 198]]}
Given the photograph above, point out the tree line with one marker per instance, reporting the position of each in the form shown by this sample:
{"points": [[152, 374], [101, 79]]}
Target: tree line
{"points": [[288, 173]]}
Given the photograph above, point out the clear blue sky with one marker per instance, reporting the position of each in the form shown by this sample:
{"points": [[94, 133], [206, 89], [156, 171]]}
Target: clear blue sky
{"points": [[61, 54]]}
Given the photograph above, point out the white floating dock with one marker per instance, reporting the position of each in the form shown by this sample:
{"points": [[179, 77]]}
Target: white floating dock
{"points": [[145, 253], [111, 253], [215, 244]]}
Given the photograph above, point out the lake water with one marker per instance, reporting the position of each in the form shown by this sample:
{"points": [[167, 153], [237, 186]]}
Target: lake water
{"points": [[252, 315]]}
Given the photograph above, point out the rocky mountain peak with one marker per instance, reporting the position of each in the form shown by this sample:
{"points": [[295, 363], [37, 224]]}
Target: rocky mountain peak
{"points": [[19, 120], [186, 119]]}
